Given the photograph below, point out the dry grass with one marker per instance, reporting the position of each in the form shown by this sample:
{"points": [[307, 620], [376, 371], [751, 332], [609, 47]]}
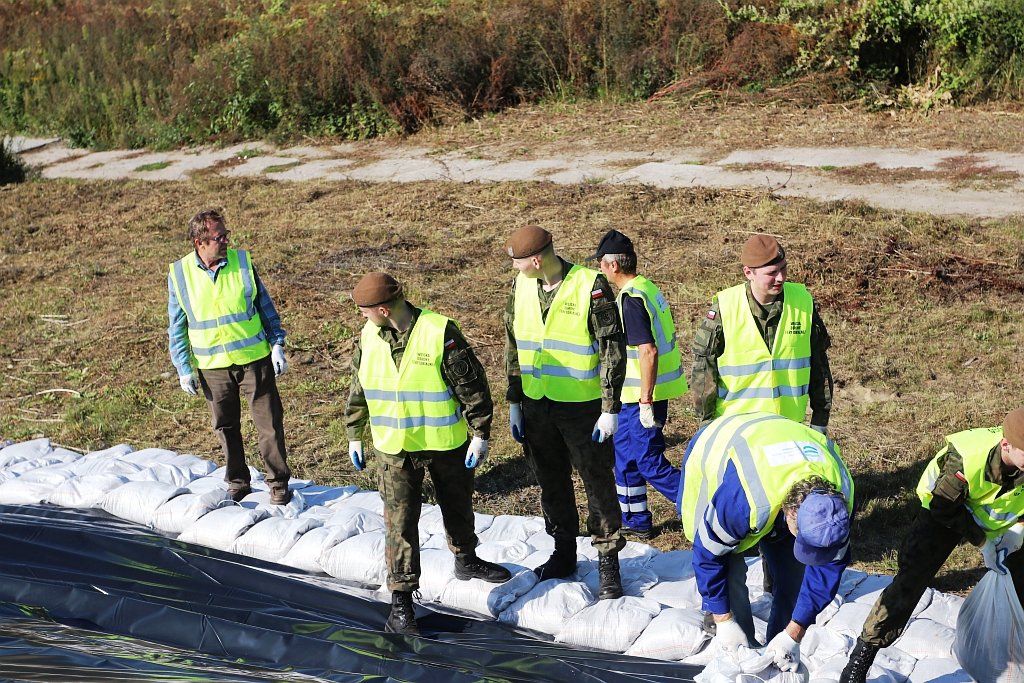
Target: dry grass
{"points": [[924, 313]]}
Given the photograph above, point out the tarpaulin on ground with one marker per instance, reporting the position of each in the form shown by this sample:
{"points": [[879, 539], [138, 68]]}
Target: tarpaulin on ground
{"points": [[85, 596]]}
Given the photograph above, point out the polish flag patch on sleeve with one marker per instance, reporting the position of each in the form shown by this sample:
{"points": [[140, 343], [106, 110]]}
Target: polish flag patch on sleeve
{"points": [[712, 314], [450, 344], [597, 294]]}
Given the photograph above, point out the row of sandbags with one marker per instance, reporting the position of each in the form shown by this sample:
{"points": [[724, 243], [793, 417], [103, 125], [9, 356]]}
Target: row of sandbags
{"points": [[339, 531]]}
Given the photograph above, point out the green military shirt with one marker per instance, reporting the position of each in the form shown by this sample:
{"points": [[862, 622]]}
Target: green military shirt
{"points": [[949, 497], [604, 325], [460, 370], [709, 344]]}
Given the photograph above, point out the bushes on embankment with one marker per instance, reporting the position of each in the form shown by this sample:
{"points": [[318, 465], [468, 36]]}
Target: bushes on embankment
{"points": [[167, 72]]}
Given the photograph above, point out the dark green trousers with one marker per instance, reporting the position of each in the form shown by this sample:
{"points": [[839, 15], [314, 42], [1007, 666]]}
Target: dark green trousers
{"points": [[401, 488]]}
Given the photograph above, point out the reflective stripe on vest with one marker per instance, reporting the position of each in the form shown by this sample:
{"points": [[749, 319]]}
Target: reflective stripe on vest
{"points": [[411, 408], [754, 379], [670, 382], [771, 453], [224, 327], [558, 357], [992, 512]]}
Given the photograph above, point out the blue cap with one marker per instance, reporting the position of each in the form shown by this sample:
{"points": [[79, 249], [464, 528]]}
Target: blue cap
{"points": [[823, 529]]}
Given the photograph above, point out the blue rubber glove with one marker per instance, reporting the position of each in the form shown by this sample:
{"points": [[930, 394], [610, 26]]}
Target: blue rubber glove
{"points": [[355, 451], [477, 452], [515, 422]]}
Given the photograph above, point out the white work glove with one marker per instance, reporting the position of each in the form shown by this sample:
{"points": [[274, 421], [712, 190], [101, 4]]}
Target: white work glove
{"points": [[277, 358], [605, 427], [784, 651], [821, 429], [1012, 540], [355, 451], [993, 556], [515, 422], [189, 383], [647, 416], [729, 636], [477, 452]]}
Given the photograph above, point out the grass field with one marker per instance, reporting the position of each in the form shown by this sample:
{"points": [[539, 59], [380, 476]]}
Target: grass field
{"points": [[926, 314]]}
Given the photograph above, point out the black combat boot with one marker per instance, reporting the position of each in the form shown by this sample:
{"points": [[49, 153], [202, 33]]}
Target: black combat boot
{"points": [[561, 564], [856, 670], [403, 614], [472, 567], [608, 571]]}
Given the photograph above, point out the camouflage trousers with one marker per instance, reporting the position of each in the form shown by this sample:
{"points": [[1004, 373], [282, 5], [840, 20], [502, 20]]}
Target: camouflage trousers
{"points": [[558, 438], [401, 487], [925, 549]]}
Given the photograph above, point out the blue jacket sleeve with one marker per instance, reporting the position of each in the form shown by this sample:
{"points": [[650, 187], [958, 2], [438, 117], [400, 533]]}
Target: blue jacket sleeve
{"points": [[726, 523], [177, 332], [819, 587], [268, 314]]}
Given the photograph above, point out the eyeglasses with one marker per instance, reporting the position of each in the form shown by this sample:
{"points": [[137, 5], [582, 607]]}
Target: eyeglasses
{"points": [[220, 239]]}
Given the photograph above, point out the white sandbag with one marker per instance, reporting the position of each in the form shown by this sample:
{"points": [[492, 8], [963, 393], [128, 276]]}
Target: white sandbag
{"points": [[943, 608], [821, 644], [220, 528], [164, 472], [21, 491], [320, 512], [926, 639], [317, 494], [504, 552], [57, 456], [539, 557], [305, 553], [199, 467], [868, 590], [367, 500], [136, 501], [748, 666], [637, 554], [90, 465], [355, 519], [673, 634], [435, 542], [585, 548], [437, 570], [488, 599], [851, 579], [672, 566], [892, 665], [990, 631], [150, 456], [52, 476], [850, 618], [85, 491], [117, 452], [548, 605], [359, 559], [541, 541], [512, 528], [271, 539], [938, 671], [207, 483], [679, 594], [610, 625], [256, 478], [26, 450], [430, 522], [261, 500], [181, 512]]}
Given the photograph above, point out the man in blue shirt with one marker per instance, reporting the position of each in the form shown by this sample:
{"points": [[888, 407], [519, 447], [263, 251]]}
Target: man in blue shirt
{"points": [[225, 336], [759, 478]]}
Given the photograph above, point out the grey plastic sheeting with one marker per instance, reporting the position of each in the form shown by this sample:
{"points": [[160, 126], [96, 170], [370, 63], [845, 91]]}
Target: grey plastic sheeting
{"points": [[88, 597]]}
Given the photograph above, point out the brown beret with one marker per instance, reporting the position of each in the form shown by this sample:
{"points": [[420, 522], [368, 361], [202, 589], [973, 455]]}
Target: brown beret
{"points": [[527, 241], [761, 250], [1013, 428], [375, 289]]}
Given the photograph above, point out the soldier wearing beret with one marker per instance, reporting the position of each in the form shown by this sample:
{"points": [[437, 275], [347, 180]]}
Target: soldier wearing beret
{"points": [[565, 359], [762, 345], [971, 490], [418, 383]]}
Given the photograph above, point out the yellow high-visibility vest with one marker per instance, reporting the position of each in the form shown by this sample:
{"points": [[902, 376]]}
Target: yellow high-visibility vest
{"points": [[993, 512], [771, 453], [224, 327], [411, 408], [670, 382], [754, 377], [558, 357]]}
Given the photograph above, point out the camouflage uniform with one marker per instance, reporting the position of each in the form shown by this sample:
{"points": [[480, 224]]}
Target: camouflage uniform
{"points": [[401, 475], [709, 344], [558, 433], [936, 531]]}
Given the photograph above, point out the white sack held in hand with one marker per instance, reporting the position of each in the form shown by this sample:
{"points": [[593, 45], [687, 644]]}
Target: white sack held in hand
{"points": [[990, 631]]}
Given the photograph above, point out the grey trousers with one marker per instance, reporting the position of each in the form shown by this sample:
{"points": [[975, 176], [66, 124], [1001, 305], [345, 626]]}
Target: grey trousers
{"points": [[223, 388]]}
